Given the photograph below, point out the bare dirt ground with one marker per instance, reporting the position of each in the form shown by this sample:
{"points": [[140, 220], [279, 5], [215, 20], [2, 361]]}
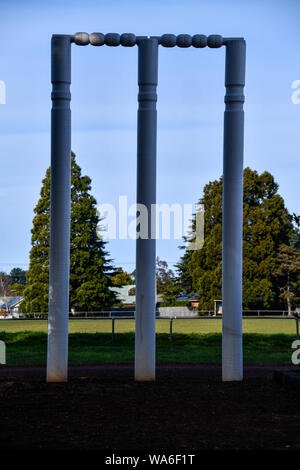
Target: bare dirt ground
{"points": [[188, 408]]}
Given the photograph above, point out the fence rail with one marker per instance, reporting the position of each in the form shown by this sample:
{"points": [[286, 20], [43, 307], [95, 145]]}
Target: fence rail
{"points": [[295, 317], [128, 313]]}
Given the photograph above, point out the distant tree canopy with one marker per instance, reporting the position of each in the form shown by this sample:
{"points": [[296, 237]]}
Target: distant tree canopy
{"points": [[267, 226], [18, 276], [288, 272], [122, 278], [5, 285], [17, 289], [164, 276], [12, 284], [89, 282]]}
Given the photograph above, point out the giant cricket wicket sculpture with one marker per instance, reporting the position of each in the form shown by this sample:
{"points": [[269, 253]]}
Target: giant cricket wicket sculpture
{"points": [[57, 358]]}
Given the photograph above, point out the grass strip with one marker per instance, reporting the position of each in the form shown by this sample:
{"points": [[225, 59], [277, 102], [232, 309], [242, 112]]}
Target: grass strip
{"points": [[30, 348]]}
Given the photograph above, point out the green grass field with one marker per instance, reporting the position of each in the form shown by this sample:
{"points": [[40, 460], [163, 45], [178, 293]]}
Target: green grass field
{"points": [[186, 326], [194, 341]]}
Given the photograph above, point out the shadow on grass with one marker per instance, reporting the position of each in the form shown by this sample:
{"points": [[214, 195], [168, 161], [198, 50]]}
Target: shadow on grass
{"points": [[30, 348]]}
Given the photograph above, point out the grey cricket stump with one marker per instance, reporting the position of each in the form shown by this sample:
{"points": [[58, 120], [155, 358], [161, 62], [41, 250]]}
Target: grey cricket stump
{"points": [[146, 195], [232, 355], [232, 346], [58, 315]]}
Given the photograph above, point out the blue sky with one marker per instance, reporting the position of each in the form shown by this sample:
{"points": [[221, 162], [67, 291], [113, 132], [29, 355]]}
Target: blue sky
{"points": [[104, 103]]}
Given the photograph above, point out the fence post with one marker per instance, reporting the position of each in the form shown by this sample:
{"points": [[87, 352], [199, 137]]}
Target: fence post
{"points": [[171, 330], [112, 329], [297, 325]]}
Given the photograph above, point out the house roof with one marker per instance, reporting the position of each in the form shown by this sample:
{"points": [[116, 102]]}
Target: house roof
{"points": [[123, 294], [194, 297], [10, 301]]}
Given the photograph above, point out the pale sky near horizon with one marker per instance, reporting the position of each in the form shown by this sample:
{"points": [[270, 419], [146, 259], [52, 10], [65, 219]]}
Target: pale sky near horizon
{"points": [[104, 103]]}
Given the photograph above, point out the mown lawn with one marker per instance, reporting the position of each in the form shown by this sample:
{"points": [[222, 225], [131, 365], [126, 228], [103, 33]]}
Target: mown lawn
{"points": [[186, 326], [29, 348]]}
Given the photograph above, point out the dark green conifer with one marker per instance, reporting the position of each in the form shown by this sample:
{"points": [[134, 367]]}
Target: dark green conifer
{"points": [[89, 265], [267, 225]]}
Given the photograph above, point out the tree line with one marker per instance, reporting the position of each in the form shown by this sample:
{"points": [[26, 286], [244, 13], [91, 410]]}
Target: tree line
{"points": [[271, 252], [271, 248]]}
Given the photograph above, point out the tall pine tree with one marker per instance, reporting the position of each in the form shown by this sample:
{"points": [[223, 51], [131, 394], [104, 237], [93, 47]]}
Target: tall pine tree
{"points": [[289, 272], [89, 265], [266, 226]]}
